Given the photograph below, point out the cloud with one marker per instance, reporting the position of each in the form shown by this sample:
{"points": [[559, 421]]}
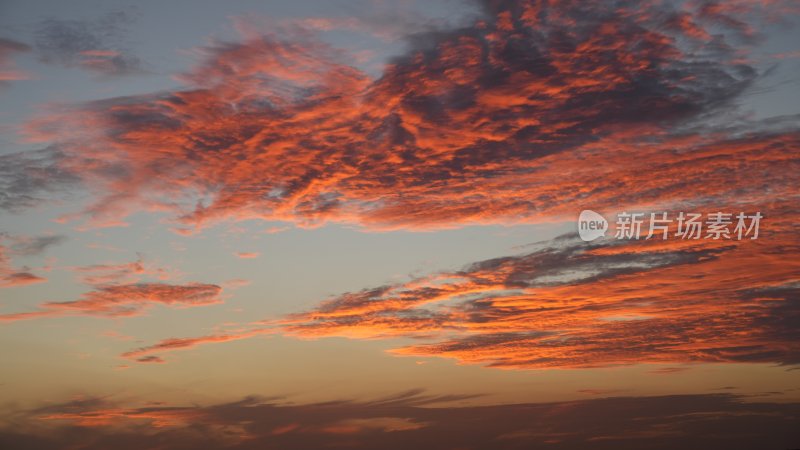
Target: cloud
{"points": [[117, 289], [248, 255], [34, 245], [529, 114], [411, 420], [101, 274], [669, 370], [94, 45], [22, 246], [476, 124], [121, 273], [8, 71], [150, 360], [389, 23], [126, 300], [572, 304], [19, 278], [602, 392], [146, 354], [31, 178]]}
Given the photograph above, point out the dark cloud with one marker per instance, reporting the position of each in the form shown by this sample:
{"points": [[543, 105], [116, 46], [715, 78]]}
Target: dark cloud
{"points": [[8, 71], [22, 246], [34, 245], [30, 178], [413, 420], [19, 279], [9, 46], [96, 45], [150, 360]]}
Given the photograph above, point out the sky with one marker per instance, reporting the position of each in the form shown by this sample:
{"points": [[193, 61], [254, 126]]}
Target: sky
{"points": [[355, 224]]}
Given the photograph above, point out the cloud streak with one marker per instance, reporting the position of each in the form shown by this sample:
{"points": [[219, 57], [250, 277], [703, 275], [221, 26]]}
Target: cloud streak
{"points": [[126, 300], [144, 354]]}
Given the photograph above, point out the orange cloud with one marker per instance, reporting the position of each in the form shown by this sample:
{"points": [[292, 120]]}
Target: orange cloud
{"points": [[531, 113], [146, 354], [248, 255], [574, 304], [126, 300], [94, 413], [475, 125], [571, 304]]}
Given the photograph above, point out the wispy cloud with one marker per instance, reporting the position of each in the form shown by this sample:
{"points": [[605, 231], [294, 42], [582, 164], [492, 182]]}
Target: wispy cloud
{"points": [[32, 245], [120, 273], [31, 178], [96, 45], [142, 354], [8, 70], [126, 300], [117, 289], [248, 255], [13, 245]]}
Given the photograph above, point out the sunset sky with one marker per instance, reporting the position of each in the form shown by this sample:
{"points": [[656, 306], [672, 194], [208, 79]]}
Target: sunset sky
{"points": [[353, 224]]}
